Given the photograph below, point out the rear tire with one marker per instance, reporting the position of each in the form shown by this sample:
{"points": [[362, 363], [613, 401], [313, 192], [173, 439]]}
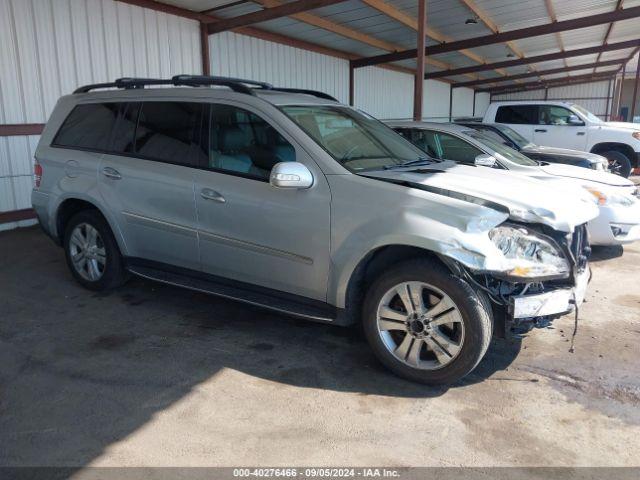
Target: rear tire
{"points": [[619, 163], [437, 351], [92, 252]]}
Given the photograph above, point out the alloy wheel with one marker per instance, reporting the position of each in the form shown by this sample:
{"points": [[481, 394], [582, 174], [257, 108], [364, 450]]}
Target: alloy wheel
{"points": [[87, 252], [420, 325]]}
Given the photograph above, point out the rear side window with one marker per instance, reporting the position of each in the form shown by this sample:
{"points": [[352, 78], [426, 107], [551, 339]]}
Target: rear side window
{"points": [[88, 127], [517, 114], [454, 148], [495, 136], [125, 129], [168, 132], [423, 139]]}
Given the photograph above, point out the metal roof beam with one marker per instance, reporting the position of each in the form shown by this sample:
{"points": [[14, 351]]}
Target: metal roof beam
{"points": [[170, 9], [552, 15], [270, 13], [609, 28], [261, 34], [352, 34], [539, 58], [551, 83], [401, 17], [573, 24], [538, 73]]}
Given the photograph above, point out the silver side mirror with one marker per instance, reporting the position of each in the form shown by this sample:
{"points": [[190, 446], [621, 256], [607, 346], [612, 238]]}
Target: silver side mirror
{"points": [[574, 120], [485, 160], [290, 175]]}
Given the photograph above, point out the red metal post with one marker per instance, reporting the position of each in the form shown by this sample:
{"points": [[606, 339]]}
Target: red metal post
{"points": [[204, 49], [351, 85], [609, 99], [624, 74], [418, 86], [635, 92]]}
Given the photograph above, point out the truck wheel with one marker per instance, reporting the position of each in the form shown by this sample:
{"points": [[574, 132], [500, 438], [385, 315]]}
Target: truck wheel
{"points": [[92, 253], [619, 164], [425, 324]]}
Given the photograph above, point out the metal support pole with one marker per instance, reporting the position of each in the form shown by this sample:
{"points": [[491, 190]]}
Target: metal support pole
{"points": [[609, 99], [418, 84], [204, 49], [473, 112], [351, 84], [450, 102], [635, 92], [624, 74], [546, 93]]}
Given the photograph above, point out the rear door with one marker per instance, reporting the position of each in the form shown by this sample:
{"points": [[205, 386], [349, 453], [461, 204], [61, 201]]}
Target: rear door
{"points": [[147, 179], [522, 118], [555, 130]]}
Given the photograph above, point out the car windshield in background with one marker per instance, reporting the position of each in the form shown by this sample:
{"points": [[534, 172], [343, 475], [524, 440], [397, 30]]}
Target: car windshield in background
{"points": [[507, 152], [586, 113], [359, 142], [514, 136]]}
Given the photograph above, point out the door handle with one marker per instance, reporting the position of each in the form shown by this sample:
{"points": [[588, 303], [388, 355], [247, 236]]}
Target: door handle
{"points": [[580, 133], [542, 130], [210, 194], [111, 173]]}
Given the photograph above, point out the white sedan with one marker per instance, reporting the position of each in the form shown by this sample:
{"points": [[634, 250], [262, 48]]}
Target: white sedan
{"points": [[616, 197]]}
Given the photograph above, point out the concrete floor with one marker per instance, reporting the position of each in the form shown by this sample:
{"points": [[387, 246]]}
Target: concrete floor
{"points": [[154, 375]]}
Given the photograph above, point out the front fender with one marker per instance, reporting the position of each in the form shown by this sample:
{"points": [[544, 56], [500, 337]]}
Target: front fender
{"points": [[467, 243]]}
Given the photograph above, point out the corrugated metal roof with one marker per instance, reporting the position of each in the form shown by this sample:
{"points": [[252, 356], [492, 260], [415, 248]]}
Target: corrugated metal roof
{"points": [[447, 19]]}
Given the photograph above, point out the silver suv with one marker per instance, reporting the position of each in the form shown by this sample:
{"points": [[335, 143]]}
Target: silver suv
{"points": [[288, 200]]}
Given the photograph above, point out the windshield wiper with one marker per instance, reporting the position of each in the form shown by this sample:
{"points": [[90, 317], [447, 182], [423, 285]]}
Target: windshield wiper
{"points": [[410, 163]]}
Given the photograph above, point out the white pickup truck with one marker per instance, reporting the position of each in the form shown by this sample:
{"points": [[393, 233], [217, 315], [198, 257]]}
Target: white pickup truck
{"points": [[568, 125]]}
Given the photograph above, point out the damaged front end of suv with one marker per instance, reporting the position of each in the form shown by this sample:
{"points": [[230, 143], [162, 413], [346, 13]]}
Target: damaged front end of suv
{"points": [[524, 246], [544, 275]]}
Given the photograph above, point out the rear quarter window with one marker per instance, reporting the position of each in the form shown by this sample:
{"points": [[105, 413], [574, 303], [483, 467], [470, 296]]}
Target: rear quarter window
{"points": [[517, 114], [88, 127]]}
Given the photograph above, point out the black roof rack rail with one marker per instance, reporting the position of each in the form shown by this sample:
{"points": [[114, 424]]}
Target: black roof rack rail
{"points": [[125, 82], [239, 85], [315, 93], [236, 84]]}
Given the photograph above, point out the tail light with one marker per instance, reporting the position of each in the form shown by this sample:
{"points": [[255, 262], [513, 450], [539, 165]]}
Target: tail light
{"points": [[37, 173]]}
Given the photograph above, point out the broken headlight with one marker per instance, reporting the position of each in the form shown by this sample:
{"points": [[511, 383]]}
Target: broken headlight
{"points": [[528, 254]]}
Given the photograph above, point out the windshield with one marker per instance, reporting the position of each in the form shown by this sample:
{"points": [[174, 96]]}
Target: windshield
{"points": [[356, 140], [499, 148], [586, 113], [514, 136]]}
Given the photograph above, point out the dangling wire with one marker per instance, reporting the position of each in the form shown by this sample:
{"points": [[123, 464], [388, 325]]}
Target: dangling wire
{"points": [[575, 324]]}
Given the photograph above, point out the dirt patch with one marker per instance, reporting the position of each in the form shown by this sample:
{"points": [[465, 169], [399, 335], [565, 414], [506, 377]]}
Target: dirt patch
{"points": [[632, 301], [488, 435], [112, 342]]}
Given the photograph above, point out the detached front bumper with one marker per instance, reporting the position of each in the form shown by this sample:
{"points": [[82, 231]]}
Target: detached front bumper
{"points": [[616, 225], [551, 303]]}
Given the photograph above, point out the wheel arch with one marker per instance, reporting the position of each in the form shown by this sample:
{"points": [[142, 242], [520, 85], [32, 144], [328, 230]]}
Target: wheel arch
{"points": [[72, 205], [623, 148], [372, 264]]}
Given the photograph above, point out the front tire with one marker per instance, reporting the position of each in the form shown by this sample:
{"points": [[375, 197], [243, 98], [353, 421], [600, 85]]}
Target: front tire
{"points": [[619, 163], [425, 324], [92, 252]]}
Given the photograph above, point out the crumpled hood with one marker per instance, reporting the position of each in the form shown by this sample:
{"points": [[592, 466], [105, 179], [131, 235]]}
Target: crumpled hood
{"points": [[570, 171], [525, 198], [565, 152]]}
